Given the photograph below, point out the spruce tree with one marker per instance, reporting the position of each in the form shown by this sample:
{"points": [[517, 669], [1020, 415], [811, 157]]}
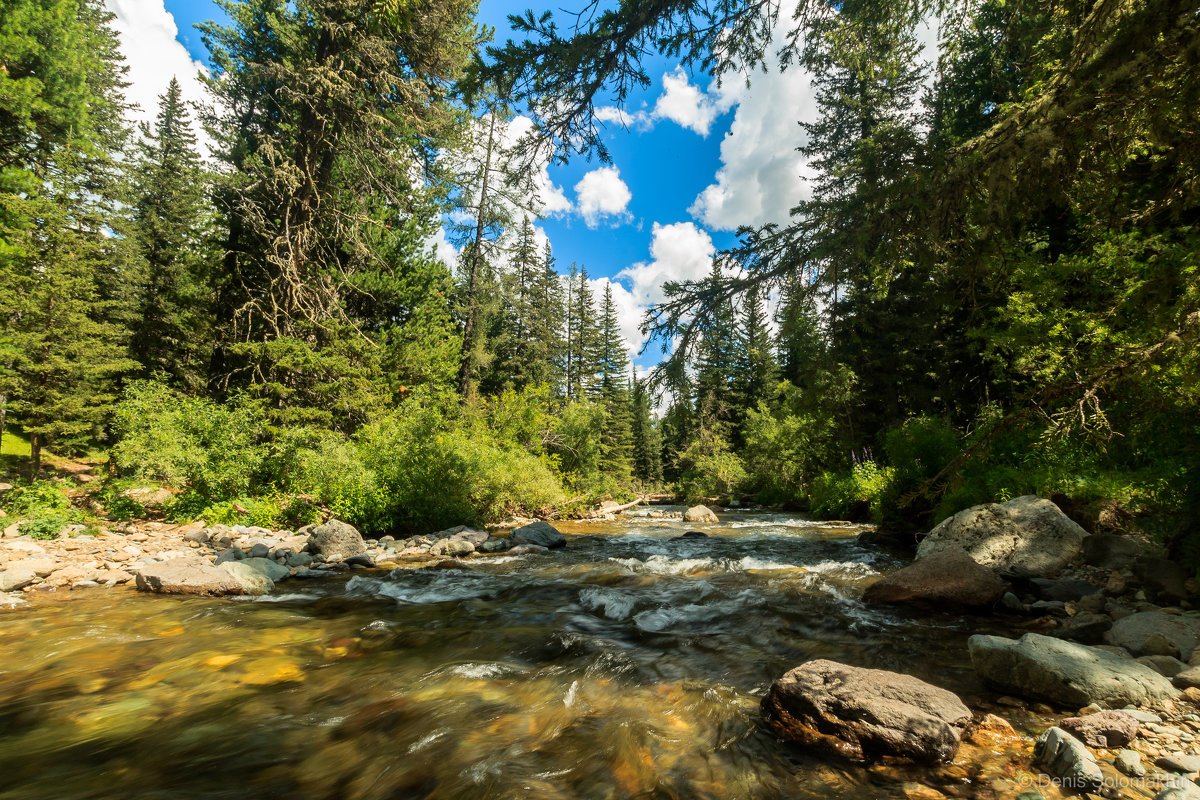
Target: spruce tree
{"points": [[582, 332], [61, 273], [170, 223], [612, 390], [716, 355], [546, 326], [754, 360], [331, 105], [647, 439]]}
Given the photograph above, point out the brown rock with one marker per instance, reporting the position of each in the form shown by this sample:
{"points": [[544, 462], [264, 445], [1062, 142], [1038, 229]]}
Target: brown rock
{"points": [[992, 731], [1103, 729], [946, 579], [863, 713]]}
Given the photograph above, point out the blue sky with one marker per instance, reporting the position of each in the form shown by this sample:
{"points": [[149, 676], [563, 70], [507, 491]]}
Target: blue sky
{"points": [[696, 160]]}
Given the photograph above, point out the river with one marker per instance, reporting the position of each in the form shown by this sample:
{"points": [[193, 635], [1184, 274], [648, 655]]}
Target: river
{"points": [[629, 664]]}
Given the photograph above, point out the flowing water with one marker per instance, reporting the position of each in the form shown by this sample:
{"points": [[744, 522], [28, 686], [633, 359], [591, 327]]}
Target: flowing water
{"points": [[627, 665]]}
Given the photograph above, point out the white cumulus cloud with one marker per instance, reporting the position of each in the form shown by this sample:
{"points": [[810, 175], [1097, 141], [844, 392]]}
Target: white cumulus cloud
{"points": [[678, 252], [602, 195], [762, 176], [147, 32], [683, 103]]}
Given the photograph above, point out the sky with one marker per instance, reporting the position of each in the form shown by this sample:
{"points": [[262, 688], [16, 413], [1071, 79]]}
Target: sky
{"points": [[691, 160]]}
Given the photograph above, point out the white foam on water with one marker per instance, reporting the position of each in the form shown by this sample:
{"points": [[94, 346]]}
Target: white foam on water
{"points": [[615, 603], [447, 586], [572, 693], [275, 598], [665, 565], [481, 670], [750, 562]]}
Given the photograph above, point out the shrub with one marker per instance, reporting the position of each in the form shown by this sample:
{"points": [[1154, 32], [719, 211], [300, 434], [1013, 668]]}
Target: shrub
{"points": [[855, 495], [32, 499], [216, 450], [709, 467]]}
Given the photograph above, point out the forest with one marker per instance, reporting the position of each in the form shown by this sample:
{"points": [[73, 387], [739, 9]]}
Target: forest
{"points": [[993, 290]]}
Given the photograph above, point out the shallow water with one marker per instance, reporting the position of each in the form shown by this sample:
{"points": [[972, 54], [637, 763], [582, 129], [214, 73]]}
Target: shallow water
{"points": [[627, 665]]}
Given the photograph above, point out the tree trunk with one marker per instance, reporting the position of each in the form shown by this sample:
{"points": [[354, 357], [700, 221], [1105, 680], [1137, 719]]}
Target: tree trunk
{"points": [[468, 346]]}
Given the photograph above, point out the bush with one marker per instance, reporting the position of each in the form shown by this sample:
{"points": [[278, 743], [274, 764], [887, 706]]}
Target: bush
{"points": [[709, 467], [216, 450], [32, 499], [854, 496]]}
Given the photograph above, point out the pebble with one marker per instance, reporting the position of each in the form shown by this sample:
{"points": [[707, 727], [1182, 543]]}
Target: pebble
{"points": [[1130, 763]]}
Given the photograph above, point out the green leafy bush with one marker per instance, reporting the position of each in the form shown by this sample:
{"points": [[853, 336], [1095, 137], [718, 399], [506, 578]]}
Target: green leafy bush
{"points": [[39, 497], [213, 449], [709, 468], [855, 495]]}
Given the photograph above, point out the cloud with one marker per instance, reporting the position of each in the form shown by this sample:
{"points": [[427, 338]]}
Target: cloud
{"points": [[602, 195], [762, 176], [147, 32], [679, 252], [684, 104], [687, 105], [551, 199], [444, 250]]}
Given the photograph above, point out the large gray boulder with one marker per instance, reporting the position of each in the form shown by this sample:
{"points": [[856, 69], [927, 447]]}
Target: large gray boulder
{"points": [[1065, 757], [700, 514], [948, 580], [1073, 675], [1150, 633], [865, 713], [540, 533], [1026, 534], [1110, 551], [335, 539], [187, 576]]}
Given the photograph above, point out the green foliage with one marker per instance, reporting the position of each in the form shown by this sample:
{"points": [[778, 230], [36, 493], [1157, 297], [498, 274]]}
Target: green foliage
{"points": [[854, 496], [214, 449], [709, 468], [38, 497]]}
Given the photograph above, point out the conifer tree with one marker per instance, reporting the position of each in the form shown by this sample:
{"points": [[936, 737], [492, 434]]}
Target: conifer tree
{"points": [[716, 356], [582, 335], [547, 325], [647, 440], [754, 361], [61, 273], [612, 389], [170, 222]]}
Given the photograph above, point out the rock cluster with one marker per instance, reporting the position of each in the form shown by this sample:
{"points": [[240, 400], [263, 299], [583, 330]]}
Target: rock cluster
{"points": [[222, 560]]}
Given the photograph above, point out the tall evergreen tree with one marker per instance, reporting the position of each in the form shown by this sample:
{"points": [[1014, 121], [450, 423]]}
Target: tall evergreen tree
{"points": [[612, 389], [646, 438], [547, 325], [170, 223], [60, 272], [716, 355], [330, 106], [582, 333], [754, 360]]}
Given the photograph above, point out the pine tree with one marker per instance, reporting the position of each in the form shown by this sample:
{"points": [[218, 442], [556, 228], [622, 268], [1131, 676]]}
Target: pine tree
{"points": [[612, 390], [546, 326], [514, 353], [646, 437], [61, 274], [331, 104], [716, 355], [754, 361], [170, 214], [582, 332]]}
